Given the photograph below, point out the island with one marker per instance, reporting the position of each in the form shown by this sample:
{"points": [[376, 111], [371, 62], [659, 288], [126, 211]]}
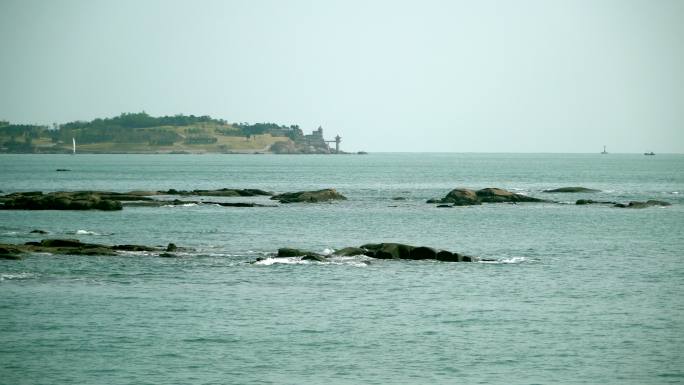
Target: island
{"points": [[140, 133]]}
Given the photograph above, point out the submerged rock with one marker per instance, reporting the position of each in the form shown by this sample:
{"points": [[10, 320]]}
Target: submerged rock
{"points": [[592, 202], [70, 247], [642, 205], [224, 192], [79, 200], [309, 196], [38, 231], [314, 257], [382, 251], [133, 248], [467, 197], [576, 189], [495, 195], [287, 252], [349, 252], [10, 253]]}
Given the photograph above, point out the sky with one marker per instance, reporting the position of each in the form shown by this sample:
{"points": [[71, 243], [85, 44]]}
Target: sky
{"points": [[421, 76]]}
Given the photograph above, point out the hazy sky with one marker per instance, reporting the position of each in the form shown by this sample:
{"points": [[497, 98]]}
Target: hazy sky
{"points": [[464, 76]]}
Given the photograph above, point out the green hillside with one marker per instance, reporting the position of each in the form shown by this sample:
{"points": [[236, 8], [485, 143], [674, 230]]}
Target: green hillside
{"points": [[142, 133]]}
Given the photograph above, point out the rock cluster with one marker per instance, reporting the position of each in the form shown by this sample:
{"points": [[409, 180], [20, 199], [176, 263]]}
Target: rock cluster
{"points": [[630, 205], [642, 205], [224, 192], [77, 200], [571, 190], [467, 197], [73, 247], [383, 251]]}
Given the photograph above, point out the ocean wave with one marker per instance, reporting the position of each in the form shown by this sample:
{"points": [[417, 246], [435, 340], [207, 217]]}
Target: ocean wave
{"points": [[17, 276], [85, 232], [511, 260], [183, 205], [347, 261], [283, 261]]}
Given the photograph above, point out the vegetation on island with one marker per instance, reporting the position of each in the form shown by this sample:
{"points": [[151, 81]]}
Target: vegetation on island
{"points": [[142, 133]]}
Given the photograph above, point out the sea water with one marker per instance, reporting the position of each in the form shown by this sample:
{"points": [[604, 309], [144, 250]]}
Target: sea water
{"points": [[576, 294]]}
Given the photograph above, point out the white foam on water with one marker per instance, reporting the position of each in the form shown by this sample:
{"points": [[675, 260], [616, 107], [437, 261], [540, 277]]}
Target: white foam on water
{"points": [[85, 232], [512, 260], [283, 261], [328, 251], [10, 233], [183, 205], [10, 276]]}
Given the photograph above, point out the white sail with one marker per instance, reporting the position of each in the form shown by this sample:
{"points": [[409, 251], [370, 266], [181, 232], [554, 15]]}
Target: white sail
{"points": [[73, 141]]}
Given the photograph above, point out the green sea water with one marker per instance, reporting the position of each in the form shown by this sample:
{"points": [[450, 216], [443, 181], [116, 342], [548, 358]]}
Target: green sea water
{"points": [[576, 295]]}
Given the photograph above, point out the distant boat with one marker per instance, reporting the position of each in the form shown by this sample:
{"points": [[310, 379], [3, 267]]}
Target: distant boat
{"points": [[649, 153], [73, 142], [604, 152]]}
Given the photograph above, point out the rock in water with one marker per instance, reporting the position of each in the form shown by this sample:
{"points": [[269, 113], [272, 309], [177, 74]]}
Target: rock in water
{"points": [[591, 202], [309, 196], [571, 190], [394, 251], [349, 252], [287, 252], [495, 195], [467, 197], [459, 197], [643, 205], [314, 257], [423, 252]]}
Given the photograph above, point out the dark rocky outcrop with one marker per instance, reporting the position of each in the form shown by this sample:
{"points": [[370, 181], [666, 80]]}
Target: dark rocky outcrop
{"points": [[38, 231], [79, 200], [133, 248], [171, 247], [402, 251], [314, 257], [496, 195], [111, 201], [69, 247], [398, 198], [467, 197], [423, 252], [349, 252], [575, 189], [224, 192], [381, 251], [309, 196], [287, 252], [10, 253], [642, 205], [593, 202]]}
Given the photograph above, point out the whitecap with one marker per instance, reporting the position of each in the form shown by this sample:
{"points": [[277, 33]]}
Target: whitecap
{"points": [[183, 205], [284, 261], [17, 276], [10, 233], [327, 251], [512, 260], [85, 232]]}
